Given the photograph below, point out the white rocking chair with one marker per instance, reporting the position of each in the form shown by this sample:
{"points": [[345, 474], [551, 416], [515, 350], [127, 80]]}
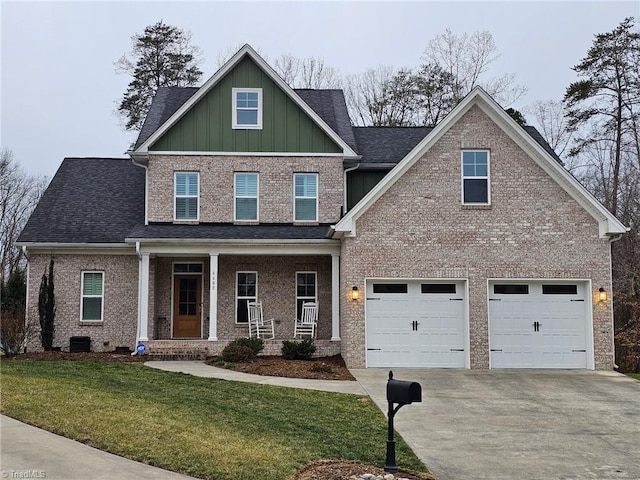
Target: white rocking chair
{"points": [[258, 326], [308, 321]]}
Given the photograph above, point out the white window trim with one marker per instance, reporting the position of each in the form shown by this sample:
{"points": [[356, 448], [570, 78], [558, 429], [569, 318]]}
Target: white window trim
{"points": [[487, 177], [83, 296], [255, 299], [313, 299], [316, 197], [236, 196], [234, 112], [176, 196]]}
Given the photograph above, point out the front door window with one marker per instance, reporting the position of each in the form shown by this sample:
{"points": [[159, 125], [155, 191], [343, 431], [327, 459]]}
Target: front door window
{"points": [[187, 298]]}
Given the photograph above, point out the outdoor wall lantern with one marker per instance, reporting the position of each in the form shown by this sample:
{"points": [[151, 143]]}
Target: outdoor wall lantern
{"points": [[355, 293], [602, 295]]}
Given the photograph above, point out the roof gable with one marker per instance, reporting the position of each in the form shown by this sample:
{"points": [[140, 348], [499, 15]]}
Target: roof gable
{"points": [[180, 130], [608, 224]]}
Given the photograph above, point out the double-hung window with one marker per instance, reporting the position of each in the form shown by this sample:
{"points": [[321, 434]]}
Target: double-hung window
{"points": [[186, 195], [305, 202], [246, 291], [246, 196], [247, 108], [306, 290], [92, 297], [475, 177]]}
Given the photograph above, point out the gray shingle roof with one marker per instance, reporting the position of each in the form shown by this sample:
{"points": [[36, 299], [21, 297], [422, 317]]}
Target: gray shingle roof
{"points": [[535, 134], [379, 145], [165, 103], [89, 200], [229, 231], [331, 107]]}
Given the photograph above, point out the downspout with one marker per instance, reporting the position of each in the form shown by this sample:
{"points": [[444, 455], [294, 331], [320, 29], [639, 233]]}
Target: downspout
{"points": [[613, 333]]}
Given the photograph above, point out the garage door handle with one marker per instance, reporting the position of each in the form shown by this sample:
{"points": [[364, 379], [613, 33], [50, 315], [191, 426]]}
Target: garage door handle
{"points": [[371, 349], [496, 349], [455, 299], [457, 350], [369, 298], [580, 300], [495, 299], [576, 351]]}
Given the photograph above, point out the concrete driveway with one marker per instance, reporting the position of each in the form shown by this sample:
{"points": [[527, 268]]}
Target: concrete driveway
{"points": [[519, 424]]}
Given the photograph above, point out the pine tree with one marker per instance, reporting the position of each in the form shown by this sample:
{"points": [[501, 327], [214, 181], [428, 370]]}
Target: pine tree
{"points": [[160, 57], [608, 95]]}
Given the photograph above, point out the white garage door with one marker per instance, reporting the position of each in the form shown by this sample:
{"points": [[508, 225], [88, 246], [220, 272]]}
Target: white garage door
{"points": [[415, 324], [538, 324]]}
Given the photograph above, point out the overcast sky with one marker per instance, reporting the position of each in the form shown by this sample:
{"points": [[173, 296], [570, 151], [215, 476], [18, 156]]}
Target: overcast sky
{"points": [[59, 87]]}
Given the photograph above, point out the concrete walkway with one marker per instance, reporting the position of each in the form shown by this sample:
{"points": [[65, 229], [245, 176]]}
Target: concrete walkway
{"points": [[29, 452], [201, 369]]}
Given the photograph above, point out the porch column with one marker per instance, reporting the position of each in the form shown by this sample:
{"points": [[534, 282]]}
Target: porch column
{"points": [[143, 298], [335, 297], [213, 297]]}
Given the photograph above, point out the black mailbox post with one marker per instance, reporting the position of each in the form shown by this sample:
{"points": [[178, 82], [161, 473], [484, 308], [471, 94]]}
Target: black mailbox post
{"points": [[402, 393]]}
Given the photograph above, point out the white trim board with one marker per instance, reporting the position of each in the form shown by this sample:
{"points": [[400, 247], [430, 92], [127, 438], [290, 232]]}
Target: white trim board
{"points": [[246, 50], [608, 224]]}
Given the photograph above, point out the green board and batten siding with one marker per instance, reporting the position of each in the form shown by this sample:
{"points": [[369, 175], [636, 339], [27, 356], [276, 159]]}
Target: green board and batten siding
{"points": [[360, 182], [206, 127]]}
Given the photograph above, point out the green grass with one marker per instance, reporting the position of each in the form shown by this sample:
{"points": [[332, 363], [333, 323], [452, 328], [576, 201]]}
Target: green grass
{"points": [[634, 375], [202, 427]]}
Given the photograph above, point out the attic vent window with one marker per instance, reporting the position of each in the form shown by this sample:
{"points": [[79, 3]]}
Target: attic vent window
{"points": [[247, 108]]}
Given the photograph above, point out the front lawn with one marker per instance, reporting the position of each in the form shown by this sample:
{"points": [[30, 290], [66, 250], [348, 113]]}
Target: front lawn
{"points": [[202, 427], [634, 375]]}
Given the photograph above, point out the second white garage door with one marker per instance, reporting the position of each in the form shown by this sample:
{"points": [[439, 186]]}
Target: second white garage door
{"points": [[416, 323], [538, 324]]}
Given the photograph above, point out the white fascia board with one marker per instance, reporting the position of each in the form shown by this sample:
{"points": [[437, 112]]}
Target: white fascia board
{"points": [[232, 62], [347, 224], [608, 224], [246, 154], [250, 248], [79, 248]]}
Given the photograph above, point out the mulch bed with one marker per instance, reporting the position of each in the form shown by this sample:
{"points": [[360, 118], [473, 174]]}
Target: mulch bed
{"points": [[344, 470], [324, 368], [79, 356]]}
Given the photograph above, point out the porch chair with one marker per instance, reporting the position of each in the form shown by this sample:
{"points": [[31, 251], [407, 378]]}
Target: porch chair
{"points": [[308, 321], [258, 326]]}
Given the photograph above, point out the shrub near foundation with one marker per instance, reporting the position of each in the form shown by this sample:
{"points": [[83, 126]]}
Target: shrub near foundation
{"points": [[298, 350], [237, 354], [255, 344]]}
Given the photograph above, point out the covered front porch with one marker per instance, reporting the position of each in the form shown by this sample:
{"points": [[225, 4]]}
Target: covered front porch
{"points": [[193, 298]]}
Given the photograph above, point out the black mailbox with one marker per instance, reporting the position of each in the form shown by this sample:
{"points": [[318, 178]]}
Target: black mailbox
{"points": [[400, 391]]}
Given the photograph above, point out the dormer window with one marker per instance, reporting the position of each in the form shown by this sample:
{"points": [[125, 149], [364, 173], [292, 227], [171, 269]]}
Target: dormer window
{"points": [[247, 108]]}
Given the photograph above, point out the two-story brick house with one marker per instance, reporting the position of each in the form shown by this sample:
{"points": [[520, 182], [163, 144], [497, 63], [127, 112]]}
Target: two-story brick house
{"points": [[463, 245]]}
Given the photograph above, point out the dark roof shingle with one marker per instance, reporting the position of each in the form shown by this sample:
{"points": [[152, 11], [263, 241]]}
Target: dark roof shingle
{"points": [[230, 231], [89, 200], [380, 145]]}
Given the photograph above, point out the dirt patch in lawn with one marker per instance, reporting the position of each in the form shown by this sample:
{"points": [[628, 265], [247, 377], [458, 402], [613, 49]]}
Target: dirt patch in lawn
{"points": [[325, 368], [342, 470]]}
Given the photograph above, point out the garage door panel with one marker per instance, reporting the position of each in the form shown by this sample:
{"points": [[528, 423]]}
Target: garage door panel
{"points": [[427, 326], [540, 326]]}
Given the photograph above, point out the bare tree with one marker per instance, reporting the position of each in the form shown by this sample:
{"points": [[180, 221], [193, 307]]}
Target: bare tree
{"points": [[310, 72], [366, 95], [19, 195], [549, 117], [467, 59]]}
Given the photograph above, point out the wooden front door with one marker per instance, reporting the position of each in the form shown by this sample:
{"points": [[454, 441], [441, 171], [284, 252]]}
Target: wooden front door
{"points": [[187, 295]]}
